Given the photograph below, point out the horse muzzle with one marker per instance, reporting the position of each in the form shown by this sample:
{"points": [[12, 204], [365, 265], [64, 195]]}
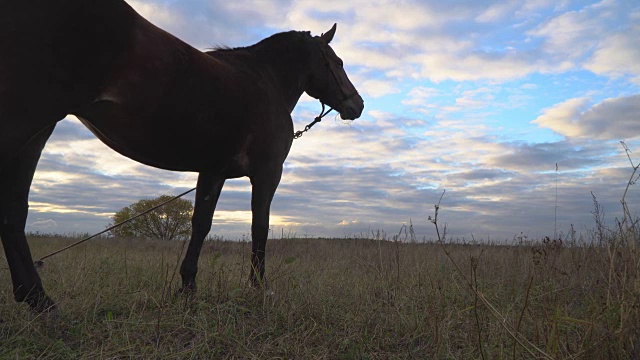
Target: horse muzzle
{"points": [[351, 108]]}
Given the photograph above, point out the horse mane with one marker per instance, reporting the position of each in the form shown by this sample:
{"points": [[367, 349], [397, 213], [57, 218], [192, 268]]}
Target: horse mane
{"points": [[279, 38]]}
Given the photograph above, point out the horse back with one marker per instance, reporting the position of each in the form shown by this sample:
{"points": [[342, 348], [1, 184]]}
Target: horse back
{"points": [[57, 55]]}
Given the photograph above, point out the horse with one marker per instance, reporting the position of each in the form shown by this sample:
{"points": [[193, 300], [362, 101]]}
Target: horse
{"points": [[153, 98]]}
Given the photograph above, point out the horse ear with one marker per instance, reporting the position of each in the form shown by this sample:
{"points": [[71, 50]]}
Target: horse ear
{"points": [[328, 36]]}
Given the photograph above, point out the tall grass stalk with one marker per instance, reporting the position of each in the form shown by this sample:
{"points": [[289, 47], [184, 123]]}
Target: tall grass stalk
{"points": [[523, 342]]}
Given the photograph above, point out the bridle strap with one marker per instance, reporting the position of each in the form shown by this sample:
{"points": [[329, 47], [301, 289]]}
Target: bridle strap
{"points": [[335, 77]]}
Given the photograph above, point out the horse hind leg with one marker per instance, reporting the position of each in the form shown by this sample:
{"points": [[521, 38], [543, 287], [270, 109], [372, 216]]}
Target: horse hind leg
{"points": [[18, 129], [15, 181]]}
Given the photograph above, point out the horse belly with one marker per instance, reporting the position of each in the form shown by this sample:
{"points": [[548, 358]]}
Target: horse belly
{"points": [[167, 144]]}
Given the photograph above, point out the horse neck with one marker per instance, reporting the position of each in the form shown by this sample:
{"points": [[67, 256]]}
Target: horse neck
{"points": [[289, 70]]}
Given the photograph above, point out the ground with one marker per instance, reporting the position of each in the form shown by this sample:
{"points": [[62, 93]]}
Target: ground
{"points": [[333, 299]]}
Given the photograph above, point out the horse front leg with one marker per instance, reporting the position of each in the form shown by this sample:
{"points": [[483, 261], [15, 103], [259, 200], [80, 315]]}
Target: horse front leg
{"points": [[15, 181], [207, 194], [263, 188]]}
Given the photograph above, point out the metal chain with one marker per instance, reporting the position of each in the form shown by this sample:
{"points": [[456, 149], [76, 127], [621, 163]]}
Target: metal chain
{"points": [[298, 134]]}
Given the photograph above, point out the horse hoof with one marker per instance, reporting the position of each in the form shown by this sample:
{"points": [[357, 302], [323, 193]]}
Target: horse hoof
{"points": [[188, 289], [258, 284], [261, 285], [42, 304]]}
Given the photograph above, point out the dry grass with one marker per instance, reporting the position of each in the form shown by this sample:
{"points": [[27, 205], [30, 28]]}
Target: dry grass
{"points": [[333, 298]]}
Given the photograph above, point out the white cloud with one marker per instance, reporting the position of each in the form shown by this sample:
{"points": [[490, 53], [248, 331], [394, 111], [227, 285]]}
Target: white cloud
{"points": [[160, 14], [475, 98], [611, 119], [617, 55], [44, 224], [347, 222], [376, 88], [419, 99], [422, 92], [570, 34], [497, 12], [601, 38], [401, 15]]}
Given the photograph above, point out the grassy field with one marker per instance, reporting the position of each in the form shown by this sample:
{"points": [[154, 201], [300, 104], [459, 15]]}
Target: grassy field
{"points": [[333, 299]]}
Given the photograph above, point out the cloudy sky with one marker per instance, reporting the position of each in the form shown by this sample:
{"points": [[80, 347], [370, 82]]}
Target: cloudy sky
{"points": [[482, 99]]}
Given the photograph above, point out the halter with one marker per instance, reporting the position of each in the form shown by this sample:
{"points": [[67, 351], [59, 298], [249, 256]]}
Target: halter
{"points": [[335, 77], [323, 113]]}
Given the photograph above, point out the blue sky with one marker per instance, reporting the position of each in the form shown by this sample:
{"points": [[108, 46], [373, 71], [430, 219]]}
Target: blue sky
{"points": [[479, 98]]}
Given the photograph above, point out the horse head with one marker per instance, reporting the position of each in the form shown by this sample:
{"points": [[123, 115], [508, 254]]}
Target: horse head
{"points": [[329, 83]]}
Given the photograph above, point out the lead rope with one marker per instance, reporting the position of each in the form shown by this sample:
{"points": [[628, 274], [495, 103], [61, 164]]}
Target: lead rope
{"points": [[40, 262], [298, 134]]}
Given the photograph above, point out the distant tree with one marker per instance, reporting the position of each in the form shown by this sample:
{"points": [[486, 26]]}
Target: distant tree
{"points": [[171, 221]]}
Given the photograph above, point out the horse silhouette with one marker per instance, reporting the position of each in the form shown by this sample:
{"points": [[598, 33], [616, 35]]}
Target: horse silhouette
{"points": [[155, 99]]}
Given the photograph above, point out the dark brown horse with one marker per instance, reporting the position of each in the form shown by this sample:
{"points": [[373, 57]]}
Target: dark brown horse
{"points": [[154, 99]]}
